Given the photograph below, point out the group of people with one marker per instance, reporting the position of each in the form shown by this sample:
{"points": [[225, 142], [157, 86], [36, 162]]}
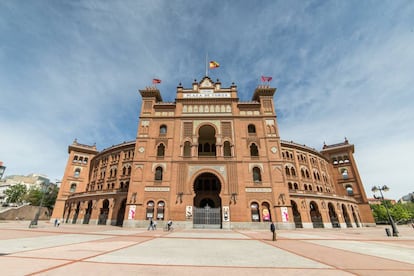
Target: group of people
{"points": [[153, 225]]}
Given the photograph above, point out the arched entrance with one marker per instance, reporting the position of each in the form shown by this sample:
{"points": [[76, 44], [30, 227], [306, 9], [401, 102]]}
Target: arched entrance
{"points": [[88, 213], [296, 215], [346, 216], [103, 215], [355, 217], [75, 216], [315, 215], [207, 201], [333, 217], [121, 213]]}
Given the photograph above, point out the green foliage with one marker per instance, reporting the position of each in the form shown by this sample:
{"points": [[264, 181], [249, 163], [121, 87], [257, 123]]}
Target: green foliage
{"points": [[16, 193], [399, 212], [34, 196]]}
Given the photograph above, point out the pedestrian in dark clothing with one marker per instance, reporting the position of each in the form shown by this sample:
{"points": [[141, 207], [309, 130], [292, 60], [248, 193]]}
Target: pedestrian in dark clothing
{"points": [[273, 230]]}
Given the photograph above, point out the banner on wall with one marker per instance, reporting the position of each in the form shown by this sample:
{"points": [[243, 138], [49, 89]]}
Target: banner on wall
{"points": [[266, 214], [285, 214], [188, 212], [226, 213], [131, 213]]}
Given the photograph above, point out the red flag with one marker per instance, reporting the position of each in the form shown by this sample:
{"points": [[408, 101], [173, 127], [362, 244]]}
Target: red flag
{"points": [[264, 79], [214, 64], [155, 81]]}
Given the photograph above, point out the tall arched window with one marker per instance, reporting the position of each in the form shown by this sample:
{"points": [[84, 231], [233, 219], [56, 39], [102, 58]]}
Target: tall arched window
{"points": [[160, 150], [77, 172], [254, 207], [251, 129], [257, 177], [349, 190], [160, 210], [73, 188], [150, 210], [254, 150], [227, 148], [292, 171], [287, 170], [158, 173], [163, 130], [187, 149]]}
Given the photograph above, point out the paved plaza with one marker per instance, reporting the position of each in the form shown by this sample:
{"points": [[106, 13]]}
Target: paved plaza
{"points": [[108, 250]]}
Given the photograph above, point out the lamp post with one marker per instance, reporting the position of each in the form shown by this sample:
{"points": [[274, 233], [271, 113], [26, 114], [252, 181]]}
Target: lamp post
{"points": [[386, 189], [36, 218]]}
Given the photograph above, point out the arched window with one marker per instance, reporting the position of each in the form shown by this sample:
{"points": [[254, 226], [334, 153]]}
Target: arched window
{"points": [[251, 129], [254, 150], [150, 209], [292, 171], [349, 190], [163, 129], [158, 173], [187, 149], [305, 187], [72, 188], [344, 173], [227, 148], [290, 185], [124, 171], [161, 150], [129, 170], [77, 172], [160, 210], [295, 185], [302, 171], [287, 170], [307, 174], [257, 176], [254, 207]]}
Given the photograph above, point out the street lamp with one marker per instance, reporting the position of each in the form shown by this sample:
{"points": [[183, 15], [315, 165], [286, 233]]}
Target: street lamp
{"points": [[386, 189], [2, 169], [36, 218]]}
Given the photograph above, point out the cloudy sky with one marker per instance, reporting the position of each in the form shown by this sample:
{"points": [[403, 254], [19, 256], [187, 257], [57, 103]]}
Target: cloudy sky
{"points": [[72, 69]]}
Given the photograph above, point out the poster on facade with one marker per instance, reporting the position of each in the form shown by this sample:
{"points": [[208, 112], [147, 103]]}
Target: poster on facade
{"points": [[131, 213], [189, 212], [266, 214], [226, 213], [285, 214]]}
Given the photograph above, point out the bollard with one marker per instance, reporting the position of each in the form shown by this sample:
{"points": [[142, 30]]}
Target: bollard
{"points": [[387, 230]]}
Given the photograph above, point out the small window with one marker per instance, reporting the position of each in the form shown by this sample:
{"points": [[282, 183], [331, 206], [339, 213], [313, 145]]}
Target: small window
{"points": [[257, 177], [187, 149], [161, 150], [251, 129], [158, 173], [254, 150], [344, 174], [349, 190], [73, 188], [227, 148], [77, 172], [163, 130]]}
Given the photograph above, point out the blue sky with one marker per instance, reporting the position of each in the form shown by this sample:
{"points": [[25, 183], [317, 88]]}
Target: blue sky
{"points": [[72, 69]]}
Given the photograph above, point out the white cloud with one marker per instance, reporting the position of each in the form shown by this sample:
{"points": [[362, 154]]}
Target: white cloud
{"points": [[72, 70]]}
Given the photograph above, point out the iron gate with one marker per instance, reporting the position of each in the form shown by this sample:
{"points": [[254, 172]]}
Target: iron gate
{"points": [[207, 217]]}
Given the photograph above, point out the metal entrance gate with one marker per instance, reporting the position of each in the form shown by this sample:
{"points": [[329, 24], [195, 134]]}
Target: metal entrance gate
{"points": [[207, 218]]}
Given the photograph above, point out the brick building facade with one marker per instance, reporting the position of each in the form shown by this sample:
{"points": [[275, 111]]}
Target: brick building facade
{"points": [[208, 160]]}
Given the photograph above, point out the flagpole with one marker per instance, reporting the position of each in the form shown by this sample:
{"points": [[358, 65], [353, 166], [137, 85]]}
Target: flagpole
{"points": [[206, 65]]}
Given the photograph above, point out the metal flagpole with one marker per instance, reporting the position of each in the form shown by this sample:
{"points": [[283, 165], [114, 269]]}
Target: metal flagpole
{"points": [[206, 65]]}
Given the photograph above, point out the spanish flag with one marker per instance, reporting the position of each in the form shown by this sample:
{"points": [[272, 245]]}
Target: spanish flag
{"points": [[214, 64], [156, 81]]}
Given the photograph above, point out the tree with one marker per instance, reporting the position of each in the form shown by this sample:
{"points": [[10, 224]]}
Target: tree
{"points": [[15, 193], [399, 213], [35, 194]]}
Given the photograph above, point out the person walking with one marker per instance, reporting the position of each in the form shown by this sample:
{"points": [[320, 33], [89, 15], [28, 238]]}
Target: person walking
{"points": [[151, 225], [273, 230]]}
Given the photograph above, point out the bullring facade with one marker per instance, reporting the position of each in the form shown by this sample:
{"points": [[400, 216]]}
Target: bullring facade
{"points": [[209, 160]]}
